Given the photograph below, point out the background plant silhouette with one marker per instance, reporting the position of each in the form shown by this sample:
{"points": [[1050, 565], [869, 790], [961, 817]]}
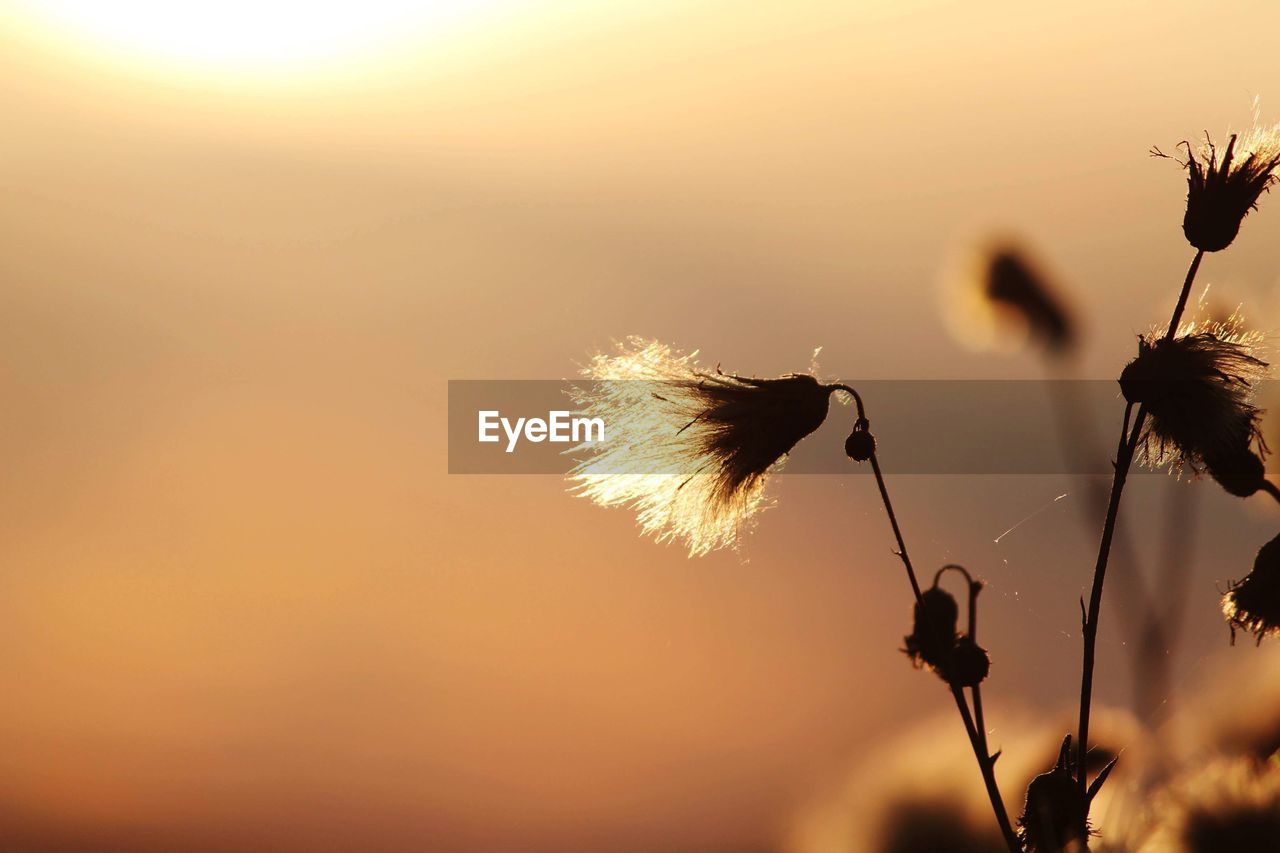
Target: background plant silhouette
{"points": [[1189, 403]]}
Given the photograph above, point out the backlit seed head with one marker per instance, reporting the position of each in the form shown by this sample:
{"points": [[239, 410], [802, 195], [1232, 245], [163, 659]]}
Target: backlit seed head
{"points": [[690, 449], [1253, 604], [1223, 186], [1198, 389]]}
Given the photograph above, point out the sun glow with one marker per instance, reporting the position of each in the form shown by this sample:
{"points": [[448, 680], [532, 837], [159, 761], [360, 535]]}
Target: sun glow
{"points": [[249, 35]]}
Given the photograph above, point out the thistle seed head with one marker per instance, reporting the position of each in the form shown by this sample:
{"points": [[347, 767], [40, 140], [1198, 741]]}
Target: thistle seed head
{"points": [[1198, 389], [1253, 604], [689, 449]]}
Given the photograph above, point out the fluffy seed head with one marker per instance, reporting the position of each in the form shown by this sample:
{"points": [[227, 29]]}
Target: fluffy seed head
{"points": [[1224, 185], [1253, 604], [688, 449], [1198, 390]]}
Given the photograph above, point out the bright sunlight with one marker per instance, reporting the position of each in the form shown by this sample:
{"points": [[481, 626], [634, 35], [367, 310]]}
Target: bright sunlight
{"points": [[239, 36]]}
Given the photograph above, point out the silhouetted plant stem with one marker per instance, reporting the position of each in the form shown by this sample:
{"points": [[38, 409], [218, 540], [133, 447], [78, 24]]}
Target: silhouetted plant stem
{"points": [[1129, 438], [979, 720], [976, 740]]}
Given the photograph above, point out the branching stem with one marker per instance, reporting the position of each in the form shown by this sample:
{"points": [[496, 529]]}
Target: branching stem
{"points": [[977, 734], [1129, 439]]}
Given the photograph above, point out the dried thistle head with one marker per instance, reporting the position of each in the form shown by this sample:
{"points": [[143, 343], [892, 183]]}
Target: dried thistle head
{"points": [[1253, 604], [689, 449], [1223, 186], [1198, 390]]}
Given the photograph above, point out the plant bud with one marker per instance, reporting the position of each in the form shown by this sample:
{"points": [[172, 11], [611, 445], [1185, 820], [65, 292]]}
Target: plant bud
{"points": [[933, 634], [860, 445], [970, 663], [1241, 473], [1054, 816]]}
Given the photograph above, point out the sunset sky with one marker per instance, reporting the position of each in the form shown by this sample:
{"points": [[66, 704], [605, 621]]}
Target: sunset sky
{"points": [[243, 605]]}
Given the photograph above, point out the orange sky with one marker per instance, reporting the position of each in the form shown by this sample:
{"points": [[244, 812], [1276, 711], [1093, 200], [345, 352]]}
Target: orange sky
{"points": [[242, 605]]}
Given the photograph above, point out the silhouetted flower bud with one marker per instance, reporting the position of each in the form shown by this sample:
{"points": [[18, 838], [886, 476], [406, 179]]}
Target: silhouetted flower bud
{"points": [[1253, 604], [1054, 819], [1240, 472], [1221, 193], [860, 445], [1054, 812], [933, 633], [969, 664]]}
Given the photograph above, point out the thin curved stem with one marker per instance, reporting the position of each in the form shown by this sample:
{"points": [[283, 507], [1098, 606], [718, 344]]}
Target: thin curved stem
{"points": [[976, 740], [1129, 439], [857, 399]]}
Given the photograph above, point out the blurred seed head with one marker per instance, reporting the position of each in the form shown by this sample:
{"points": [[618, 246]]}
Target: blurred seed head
{"points": [[1000, 298], [1226, 805], [904, 789], [1253, 604], [689, 449], [921, 825], [1198, 390], [1223, 185]]}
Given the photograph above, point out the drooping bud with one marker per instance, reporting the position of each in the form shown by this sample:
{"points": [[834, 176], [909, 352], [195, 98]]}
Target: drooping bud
{"points": [[969, 664], [861, 444], [933, 633], [1240, 472]]}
